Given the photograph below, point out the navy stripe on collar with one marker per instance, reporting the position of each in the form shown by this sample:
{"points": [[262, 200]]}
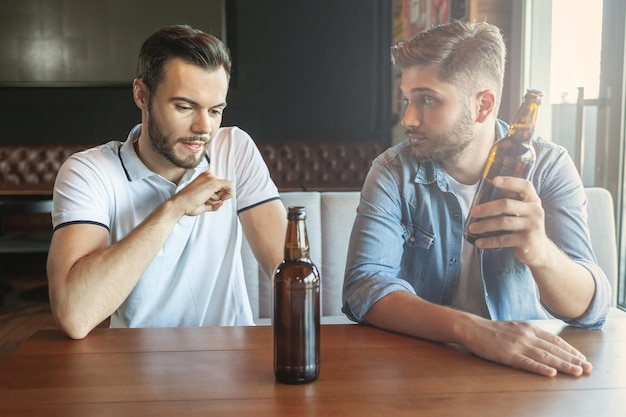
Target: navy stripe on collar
{"points": [[119, 155]]}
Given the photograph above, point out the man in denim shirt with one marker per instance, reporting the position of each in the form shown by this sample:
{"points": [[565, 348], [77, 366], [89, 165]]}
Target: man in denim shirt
{"points": [[409, 269]]}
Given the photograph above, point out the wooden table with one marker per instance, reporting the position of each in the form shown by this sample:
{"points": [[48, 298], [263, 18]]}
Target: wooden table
{"points": [[227, 371]]}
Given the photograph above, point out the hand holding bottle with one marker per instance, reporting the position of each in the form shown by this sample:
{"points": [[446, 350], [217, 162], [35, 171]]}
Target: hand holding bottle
{"points": [[512, 156], [522, 219]]}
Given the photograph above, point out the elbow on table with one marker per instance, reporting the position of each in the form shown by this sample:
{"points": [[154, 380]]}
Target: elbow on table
{"points": [[72, 324], [72, 331], [76, 334]]}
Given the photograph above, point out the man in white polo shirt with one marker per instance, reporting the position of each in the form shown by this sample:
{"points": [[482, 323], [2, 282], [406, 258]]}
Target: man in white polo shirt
{"points": [[148, 231]]}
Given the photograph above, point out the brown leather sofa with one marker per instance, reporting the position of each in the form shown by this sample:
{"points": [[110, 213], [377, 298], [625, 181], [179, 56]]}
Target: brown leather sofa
{"points": [[320, 166], [31, 169], [294, 166]]}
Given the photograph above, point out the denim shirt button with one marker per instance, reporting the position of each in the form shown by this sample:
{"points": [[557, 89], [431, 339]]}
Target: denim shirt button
{"points": [[452, 260], [456, 214]]}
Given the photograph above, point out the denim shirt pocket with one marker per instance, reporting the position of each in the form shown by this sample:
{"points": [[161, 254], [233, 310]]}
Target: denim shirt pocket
{"points": [[418, 252]]}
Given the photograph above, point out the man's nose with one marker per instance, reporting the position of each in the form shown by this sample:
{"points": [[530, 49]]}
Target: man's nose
{"points": [[202, 124], [412, 117]]}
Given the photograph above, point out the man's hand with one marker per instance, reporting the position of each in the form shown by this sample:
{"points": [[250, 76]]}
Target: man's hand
{"points": [[523, 219], [204, 193], [565, 287], [524, 346]]}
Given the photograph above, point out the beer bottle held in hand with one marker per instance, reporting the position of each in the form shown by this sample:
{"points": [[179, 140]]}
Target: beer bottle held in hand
{"points": [[511, 156], [296, 316]]}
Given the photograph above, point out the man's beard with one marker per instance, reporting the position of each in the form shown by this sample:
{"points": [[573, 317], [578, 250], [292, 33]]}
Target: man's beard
{"points": [[449, 144], [163, 146]]}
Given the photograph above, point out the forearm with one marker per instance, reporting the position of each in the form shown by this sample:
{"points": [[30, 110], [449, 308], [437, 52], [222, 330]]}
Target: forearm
{"points": [[96, 284], [406, 313], [565, 287]]}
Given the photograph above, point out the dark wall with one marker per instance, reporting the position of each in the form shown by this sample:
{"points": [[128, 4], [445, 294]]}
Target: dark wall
{"points": [[310, 70], [303, 71], [66, 115]]}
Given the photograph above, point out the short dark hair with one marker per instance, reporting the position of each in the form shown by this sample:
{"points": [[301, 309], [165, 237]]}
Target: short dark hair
{"points": [[180, 41], [464, 53]]}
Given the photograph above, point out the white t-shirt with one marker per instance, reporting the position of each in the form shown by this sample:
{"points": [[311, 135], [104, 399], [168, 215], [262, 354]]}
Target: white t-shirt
{"points": [[197, 277], [470, 289]]}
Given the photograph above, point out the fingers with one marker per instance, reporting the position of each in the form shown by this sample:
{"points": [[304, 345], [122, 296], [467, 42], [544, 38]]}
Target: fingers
{"points": [[549, 355], [524, 346], [214, 206], [217, 199], [509, 206], [205, 193], [516, 223], [519, 186], [549, 363], [544, 363], [222, 194]]}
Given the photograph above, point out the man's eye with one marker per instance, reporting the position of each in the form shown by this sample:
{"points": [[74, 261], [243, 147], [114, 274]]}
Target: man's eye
{"points": [[429, 101], [216, 112], [182, 107]]}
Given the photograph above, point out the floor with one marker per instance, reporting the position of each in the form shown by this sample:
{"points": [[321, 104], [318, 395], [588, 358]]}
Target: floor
{"points": [[26, 308]]}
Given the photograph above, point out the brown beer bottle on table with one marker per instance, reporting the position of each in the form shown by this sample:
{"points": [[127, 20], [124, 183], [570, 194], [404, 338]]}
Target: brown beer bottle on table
{"points": [[511, 156], [296, 316]]}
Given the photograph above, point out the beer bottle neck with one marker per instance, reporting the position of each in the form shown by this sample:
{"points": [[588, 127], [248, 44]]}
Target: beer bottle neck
{"points": [[297, 242], [523, 125]]}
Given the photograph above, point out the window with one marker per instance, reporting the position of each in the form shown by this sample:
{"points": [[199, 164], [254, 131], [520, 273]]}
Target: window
{"points": [[581, 72]]}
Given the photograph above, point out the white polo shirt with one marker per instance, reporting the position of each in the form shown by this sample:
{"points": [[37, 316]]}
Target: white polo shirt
{"points": [[197, 277]]}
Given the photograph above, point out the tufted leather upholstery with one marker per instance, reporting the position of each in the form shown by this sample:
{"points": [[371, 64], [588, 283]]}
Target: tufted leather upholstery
{"points": [[320, 166], [32, 168], [293, 166]]}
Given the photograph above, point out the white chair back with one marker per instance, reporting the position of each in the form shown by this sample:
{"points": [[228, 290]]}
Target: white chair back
{"points": [[601, 223]]}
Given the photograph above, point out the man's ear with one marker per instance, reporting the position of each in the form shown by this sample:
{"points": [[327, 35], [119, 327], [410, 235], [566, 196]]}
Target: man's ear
{"points": [[486, 105], [140, 94]]}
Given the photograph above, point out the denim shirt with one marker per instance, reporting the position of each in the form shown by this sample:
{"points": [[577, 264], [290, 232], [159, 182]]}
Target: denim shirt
{"points": [[408, 231]]}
